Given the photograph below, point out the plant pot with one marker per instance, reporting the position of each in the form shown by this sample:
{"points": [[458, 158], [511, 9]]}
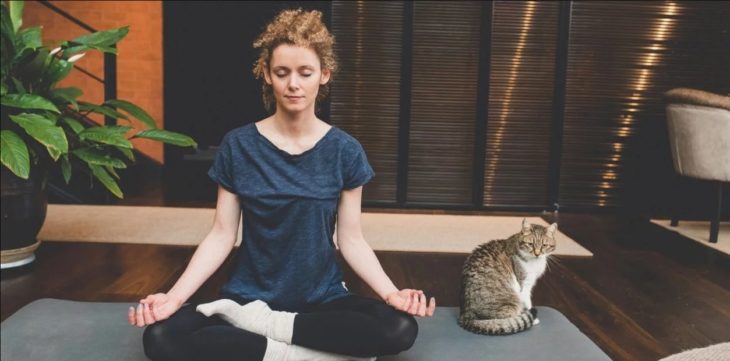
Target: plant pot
{"points": [[24, 205]]}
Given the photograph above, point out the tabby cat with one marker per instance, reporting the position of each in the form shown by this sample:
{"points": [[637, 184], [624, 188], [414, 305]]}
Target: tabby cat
{"points": [[497, 281]]}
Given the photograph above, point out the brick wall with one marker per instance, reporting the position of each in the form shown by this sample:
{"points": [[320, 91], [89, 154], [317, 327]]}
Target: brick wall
{"points": [[139, 59]]}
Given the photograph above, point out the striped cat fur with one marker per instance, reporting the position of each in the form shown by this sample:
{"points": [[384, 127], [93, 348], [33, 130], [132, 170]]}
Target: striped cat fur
{"points": [[497, 281]]}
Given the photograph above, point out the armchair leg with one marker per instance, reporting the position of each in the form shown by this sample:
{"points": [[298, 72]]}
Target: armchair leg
{"points": [[715, 224], [677, 204]]}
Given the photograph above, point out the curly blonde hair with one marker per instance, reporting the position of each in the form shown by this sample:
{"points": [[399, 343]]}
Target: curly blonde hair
{"points": [[301, 28]]}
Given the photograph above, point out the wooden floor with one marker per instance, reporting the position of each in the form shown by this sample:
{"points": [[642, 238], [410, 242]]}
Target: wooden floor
{"points": [[647, 293]]}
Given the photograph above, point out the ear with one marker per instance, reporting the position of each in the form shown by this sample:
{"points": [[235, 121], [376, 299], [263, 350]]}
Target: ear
{"points": [[325, 77], [267, 76], [553, 227], [526, 227]]}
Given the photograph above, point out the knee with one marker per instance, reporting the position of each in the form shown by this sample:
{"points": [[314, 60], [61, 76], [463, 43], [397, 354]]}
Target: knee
{"points": [[399, 334], [158, 343]]}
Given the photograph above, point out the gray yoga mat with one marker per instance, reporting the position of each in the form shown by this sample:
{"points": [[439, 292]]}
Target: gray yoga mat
{"points": [[553, 339], [60, 330]]}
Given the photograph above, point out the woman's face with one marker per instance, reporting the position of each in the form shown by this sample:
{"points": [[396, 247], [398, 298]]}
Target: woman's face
{"points": [[295, 76]]}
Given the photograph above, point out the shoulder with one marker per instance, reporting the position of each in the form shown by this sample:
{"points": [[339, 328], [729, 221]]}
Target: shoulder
{"points": [[348, 144], [239, 135]]}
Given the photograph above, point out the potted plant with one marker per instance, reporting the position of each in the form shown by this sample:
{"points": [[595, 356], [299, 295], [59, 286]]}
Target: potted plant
{"points": [[45, 128]]}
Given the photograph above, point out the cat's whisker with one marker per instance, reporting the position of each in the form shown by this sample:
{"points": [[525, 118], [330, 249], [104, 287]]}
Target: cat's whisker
{"points": [[556, 259], [553, 260]]}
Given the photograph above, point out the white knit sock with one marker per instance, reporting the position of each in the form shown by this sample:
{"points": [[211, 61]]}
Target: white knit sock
{"points": [[255, 317], [279, 351]]}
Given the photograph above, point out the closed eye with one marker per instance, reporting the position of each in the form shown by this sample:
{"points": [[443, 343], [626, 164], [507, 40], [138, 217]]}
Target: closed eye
{"points": [[281, 75]]}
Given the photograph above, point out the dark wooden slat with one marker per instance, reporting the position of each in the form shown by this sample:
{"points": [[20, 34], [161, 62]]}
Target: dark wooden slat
{"points": [[365, 96], [445, 68], [522, 71]]}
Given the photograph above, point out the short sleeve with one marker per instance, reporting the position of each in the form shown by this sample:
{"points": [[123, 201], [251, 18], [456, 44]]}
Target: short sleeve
{"points": [[359, 171], [221, 171]]}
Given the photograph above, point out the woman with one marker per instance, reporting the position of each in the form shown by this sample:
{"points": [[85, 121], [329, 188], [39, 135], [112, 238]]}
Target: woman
{"points": [[293, 176]]}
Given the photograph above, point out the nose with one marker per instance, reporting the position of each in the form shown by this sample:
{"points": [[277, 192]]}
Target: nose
{"points": [[536, 253], [293, 82]]}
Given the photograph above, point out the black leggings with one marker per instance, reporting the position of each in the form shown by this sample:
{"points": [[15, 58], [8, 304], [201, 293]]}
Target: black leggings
{"points": [[350, 325]]}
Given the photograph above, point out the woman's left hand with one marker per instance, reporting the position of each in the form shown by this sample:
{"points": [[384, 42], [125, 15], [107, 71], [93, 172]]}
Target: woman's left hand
{"points": [[411, 301]]}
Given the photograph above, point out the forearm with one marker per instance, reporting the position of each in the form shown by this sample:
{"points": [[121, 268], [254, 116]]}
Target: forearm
{"points": [[209, 255], [363, 261]]}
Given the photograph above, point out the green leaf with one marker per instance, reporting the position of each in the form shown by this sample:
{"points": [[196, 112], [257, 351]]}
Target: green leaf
{"points": [[24, 55], [107, 135], [134, 110], [54, 153], [101, 174], [18, 86], [69, 95], [57, 70], [127, 153], [14, 153], [28, 101], [16, 14], [66, 168], [102, 38], [167, 136], [31, 37], [98, 157], [106, 49], [23, 118], [74, 124], [44, 131], [112, 171], [8, 38], [3, 89], [84, 106], [119, 129], [73, 50]]}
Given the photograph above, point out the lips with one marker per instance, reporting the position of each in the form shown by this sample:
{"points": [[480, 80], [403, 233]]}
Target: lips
{"points": [[291, 97]]}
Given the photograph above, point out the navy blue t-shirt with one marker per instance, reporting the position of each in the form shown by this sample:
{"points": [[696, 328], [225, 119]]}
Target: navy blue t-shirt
{"points": [[289, 204]]}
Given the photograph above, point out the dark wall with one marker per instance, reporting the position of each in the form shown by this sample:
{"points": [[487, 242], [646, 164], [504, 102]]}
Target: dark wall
{"points": [[209, 84]]}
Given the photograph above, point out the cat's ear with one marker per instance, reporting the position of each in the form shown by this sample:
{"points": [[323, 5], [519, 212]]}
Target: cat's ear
{"points": [[553, 227], [526, 228]]}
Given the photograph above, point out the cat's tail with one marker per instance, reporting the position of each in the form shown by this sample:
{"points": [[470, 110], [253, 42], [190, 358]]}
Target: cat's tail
{"points": [[500, 326]]}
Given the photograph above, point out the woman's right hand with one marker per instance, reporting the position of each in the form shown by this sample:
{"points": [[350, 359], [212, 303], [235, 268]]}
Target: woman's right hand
{"points": [[153, 308]]}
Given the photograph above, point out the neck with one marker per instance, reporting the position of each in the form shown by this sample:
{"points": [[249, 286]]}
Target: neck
{"points": [[294, 124]]}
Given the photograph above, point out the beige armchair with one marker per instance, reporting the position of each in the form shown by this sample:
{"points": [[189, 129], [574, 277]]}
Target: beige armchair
{"points": [[699, 137]]}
